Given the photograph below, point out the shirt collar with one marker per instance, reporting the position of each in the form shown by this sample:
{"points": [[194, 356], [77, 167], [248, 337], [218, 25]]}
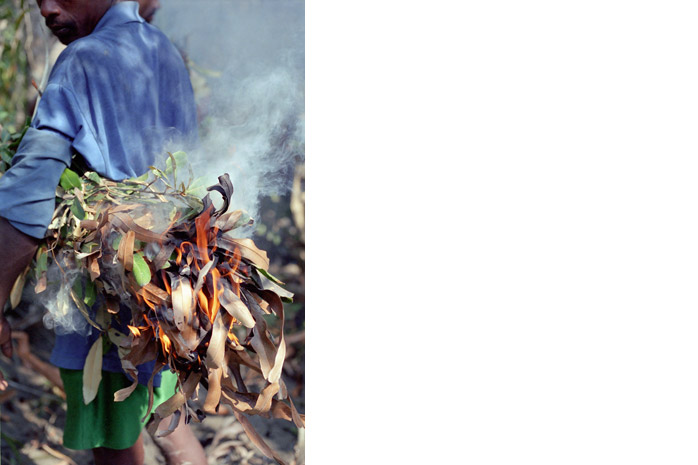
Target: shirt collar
{"points": [[120, 13]]}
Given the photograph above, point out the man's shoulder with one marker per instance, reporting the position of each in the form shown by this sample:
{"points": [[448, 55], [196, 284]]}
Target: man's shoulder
{"points": [[79, 52], [106, 45]]}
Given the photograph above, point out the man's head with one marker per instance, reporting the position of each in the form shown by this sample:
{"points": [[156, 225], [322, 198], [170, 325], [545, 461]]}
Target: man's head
{"points": [[147, 9], [72, 19]]}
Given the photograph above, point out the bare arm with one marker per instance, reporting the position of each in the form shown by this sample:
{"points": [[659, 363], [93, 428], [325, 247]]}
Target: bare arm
{"points": [[16, 252]]}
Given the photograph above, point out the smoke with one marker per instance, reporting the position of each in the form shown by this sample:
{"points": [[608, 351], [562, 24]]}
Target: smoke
{"points": [[61, 313], [246, 59]]}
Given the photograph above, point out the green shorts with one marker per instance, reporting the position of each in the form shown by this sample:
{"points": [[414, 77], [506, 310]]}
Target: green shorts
{"points": [[103, 422]]}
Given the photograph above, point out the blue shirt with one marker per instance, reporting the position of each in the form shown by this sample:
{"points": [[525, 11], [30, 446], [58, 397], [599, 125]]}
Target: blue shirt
{"points": [[115, 97]]}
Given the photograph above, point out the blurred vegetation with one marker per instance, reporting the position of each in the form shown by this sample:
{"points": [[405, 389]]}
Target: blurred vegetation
{"points": [[15, 75], [15, 68]]}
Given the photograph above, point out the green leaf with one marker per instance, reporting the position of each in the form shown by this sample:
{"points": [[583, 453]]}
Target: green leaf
{"points": [[70, 180], [143, 177], [90, 293], [141, 270], [41, 260], [78, 289], [77, 210], [94, 177], [89, 247], [269, 275], [179, 159]]}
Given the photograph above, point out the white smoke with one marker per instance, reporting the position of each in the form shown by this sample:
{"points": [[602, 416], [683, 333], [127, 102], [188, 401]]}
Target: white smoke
{"points": [[247, 64], [62, 315]]}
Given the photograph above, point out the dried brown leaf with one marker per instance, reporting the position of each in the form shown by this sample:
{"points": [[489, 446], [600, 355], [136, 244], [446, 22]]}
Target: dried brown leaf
{"points": [[154, 294], [183, 303], [174, 421], [245, 402], [145, 221], [226, 222], [92, 372], [173, 404], [263, 403], [159, 364], [275, 371], [143, 348], [298, 419], [266, 351], [215, 354], [41, 284], [17, 288], [124, 222], [271, 300], [248, 249], [163, 256], [235, 306], [125, 251], [202, 275], [93, 268], [214, 390], [122, 394], [260, 342]]}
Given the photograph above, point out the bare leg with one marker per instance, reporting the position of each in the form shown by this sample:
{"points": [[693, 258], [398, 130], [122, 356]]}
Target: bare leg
{"points": [[181, 446], [134, 455]]}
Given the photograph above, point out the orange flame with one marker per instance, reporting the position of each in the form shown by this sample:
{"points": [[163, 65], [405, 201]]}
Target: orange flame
{"points": [[147, 321], [181, 250], [232, 336], [166, 343], [149, 303], [136, 332], [164, 340], [215, 303], [167, 284]]}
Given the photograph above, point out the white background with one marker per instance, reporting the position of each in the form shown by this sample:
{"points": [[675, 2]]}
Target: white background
{"points": [[502, 232]]}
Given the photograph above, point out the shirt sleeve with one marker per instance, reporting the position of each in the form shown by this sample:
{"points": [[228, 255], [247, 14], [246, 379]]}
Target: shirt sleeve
{"points": [[28, 188]]}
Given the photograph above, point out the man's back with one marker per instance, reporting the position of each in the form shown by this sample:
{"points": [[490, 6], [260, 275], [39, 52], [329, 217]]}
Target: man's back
{"points": [[128, 91], [115, 97]]}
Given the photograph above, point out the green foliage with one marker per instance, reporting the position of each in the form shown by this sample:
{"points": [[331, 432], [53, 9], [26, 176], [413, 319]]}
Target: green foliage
{"points": [[70, 180], [15, 75], [141, 271], [8, 146]]}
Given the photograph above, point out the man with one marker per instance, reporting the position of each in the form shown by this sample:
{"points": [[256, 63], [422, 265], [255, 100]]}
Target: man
{"points": [[116, 95], [148, 8]]}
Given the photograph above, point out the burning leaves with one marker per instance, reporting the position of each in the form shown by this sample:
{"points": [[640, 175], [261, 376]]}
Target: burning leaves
{"points": [[199, 296]]}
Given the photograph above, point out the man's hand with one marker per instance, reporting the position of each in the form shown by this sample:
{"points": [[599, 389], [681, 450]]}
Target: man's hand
{"points": [[15, 255]]}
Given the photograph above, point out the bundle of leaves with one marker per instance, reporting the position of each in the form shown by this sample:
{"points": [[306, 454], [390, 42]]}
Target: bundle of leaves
{"points": [[202, 300]]}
